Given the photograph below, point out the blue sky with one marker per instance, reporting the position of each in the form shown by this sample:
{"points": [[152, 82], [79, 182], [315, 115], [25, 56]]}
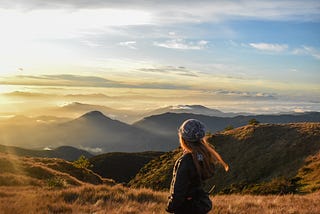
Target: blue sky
{"points": [[256, 48]]}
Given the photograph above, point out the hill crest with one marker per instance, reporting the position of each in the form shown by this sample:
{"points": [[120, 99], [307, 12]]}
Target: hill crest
{"points": [[44, 172], [257, 154]]}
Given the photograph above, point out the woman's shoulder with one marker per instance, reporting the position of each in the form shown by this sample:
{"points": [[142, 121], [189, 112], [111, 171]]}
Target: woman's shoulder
{"points": [[186, 157]]}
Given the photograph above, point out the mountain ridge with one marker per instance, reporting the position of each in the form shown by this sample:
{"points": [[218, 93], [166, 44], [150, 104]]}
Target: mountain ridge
{"points": [[98, 133], [64, 152], [169, 122], [261, 157]]}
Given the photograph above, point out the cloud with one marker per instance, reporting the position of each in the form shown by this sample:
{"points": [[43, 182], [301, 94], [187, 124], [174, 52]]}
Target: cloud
{"points": [[91, 43], [129, 44], [60, 80], [160, 85], [79, 79], [92, 149], [307, 50], [269, 47], [182, 44], [181, 11], [67, 80], [170, 70], [26, 94], [244, 94]]}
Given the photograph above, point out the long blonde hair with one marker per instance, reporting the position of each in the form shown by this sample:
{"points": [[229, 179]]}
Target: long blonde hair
{"points": [[209, 156]]}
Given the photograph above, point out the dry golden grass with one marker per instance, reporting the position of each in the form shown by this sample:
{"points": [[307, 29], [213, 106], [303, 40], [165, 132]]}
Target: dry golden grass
{"points": [[243, 204], [84, 199], [103, 199], [25, 171]]}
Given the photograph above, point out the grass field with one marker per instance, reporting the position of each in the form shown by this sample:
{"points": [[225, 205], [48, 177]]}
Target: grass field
{"points": [[102, 199]]}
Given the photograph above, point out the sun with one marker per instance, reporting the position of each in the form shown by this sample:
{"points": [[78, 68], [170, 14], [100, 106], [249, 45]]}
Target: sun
{"points": [[3, 89]]}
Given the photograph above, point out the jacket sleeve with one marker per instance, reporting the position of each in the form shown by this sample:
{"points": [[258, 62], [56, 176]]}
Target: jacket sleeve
{"points": [[179, 185]]}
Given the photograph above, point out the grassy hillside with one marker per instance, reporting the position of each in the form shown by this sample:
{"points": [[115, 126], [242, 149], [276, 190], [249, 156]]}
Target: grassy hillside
{"points": [[263, 159], [49, 185], [156, 174], [310, 174], [119, 166], [43, 172], [65, 152]]}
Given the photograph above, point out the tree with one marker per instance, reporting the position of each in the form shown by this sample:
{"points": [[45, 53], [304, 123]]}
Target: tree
{"points": [[230, 127], [82, 162], [253, 121]]}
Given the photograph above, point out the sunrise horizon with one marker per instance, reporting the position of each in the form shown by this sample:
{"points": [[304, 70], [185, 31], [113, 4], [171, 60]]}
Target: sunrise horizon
{"points": [[260, 57]]}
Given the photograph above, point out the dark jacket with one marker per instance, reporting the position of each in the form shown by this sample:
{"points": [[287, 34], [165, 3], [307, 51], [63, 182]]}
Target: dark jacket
{"points": [[184, 185]]}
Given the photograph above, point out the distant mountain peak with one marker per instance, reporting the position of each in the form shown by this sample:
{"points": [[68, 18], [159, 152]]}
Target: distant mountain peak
{"points": [[98, 118], [188, 107], [180, 107], [76, 103], [94, 115]]}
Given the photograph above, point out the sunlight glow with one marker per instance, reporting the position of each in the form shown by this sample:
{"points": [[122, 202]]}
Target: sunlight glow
{"points": [[65, 23], [31, 38]]}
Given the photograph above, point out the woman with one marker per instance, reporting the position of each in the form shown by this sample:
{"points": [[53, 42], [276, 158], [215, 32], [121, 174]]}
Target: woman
{"points": [[191, 169]]}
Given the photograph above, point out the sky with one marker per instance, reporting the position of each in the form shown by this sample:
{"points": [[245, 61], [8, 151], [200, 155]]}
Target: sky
{"points": [[241, 55]]}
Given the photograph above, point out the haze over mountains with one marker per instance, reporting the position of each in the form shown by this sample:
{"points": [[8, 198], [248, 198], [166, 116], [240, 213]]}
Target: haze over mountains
{"points": [[129, 116], [97, 133], [167, 124]]}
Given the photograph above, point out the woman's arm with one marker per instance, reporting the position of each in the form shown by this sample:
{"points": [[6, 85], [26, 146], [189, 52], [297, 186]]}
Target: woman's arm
{"points": [[180, 184]]}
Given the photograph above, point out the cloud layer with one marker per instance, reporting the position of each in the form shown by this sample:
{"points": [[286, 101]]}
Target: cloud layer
{"points": [[181, 44], [67, 80], [188, 11], [269, 47]]}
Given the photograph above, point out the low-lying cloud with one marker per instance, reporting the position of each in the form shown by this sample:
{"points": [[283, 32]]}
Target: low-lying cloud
{"points": [[244, 94], [129, 44], [188, 11], [67, 80], [307, 50], [269, 47], [182, 44], [183, 71]]}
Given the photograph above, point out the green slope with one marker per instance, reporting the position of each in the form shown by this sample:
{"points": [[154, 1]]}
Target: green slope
{"points": [[120, 166], [261, 156]]}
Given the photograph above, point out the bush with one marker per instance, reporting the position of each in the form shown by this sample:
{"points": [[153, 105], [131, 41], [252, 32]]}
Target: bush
{"points": [[253, 122], [228, 128], [56, 182], [276, 186], [81, 163]]}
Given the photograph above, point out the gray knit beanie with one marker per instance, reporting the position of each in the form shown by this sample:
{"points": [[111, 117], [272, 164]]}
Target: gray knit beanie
{"points": [[192, 130]]}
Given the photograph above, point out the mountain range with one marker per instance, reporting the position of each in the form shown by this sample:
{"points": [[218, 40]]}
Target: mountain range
{"points": [[97, 133], [92, 131], [78, 109], [193, 109], [167, 124], [129, 116]]}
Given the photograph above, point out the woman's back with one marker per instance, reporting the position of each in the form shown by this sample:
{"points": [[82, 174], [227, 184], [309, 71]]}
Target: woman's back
{"points": [[195, 165]]}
